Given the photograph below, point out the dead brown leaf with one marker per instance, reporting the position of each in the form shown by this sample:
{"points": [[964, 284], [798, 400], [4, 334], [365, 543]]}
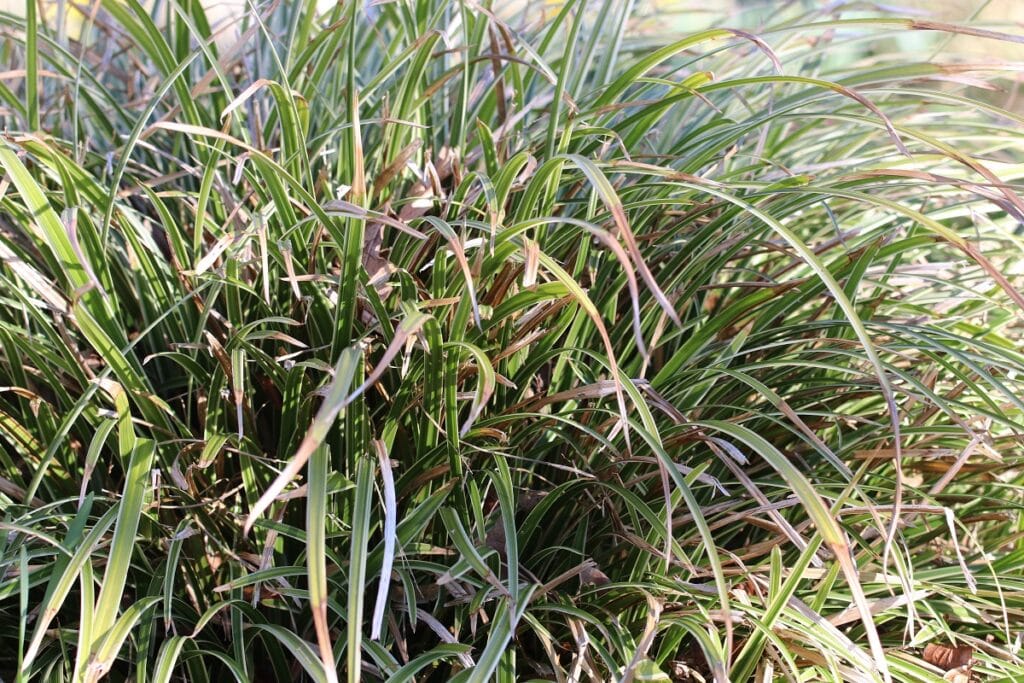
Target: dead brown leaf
{"points": [[948, 657], [592, 575]]}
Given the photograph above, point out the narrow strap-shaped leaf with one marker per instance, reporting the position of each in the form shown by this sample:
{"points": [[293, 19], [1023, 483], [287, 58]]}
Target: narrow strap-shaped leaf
{"points": [[333, 402], [299, 648], [108, 647], [62, 582], [389, 541], [122, 546], [316, 555], [167, 658], [361, 510], [502, 480]]}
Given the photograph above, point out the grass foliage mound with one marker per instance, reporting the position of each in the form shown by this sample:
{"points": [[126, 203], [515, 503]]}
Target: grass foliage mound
{"points": [[414, 341]]}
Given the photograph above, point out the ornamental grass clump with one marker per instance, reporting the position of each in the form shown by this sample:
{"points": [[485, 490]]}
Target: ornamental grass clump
{"points": [[423, 341]]}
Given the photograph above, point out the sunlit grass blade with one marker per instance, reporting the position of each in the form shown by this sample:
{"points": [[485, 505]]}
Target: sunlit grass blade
{"points": [[332, 404], [316, 555]]}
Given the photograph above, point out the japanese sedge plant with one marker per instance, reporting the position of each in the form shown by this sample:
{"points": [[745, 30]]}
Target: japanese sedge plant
{"points": [[417, 341]]}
